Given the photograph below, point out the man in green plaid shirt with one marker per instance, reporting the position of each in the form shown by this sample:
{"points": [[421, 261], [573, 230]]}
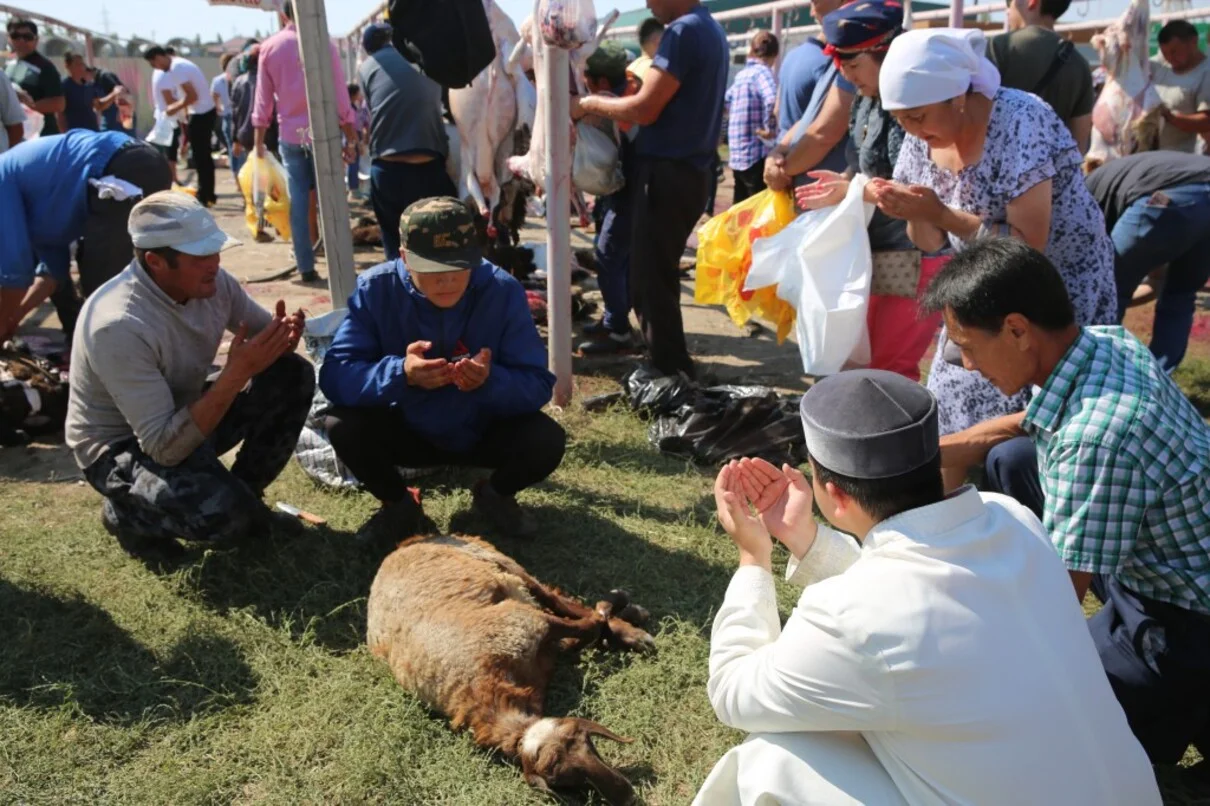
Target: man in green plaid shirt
{"points": [[1114, 459]]}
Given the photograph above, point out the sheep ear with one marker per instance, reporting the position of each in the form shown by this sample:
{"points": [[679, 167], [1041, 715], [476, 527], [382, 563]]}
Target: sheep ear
{"points": [[597, 729]]}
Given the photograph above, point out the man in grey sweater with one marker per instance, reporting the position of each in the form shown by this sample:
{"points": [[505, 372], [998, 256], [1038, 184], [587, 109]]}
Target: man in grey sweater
{"points": [[408, 144], [146, 426]]}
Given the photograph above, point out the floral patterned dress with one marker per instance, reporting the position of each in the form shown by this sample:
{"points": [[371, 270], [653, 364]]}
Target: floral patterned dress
{"points": [[1026, 144]]}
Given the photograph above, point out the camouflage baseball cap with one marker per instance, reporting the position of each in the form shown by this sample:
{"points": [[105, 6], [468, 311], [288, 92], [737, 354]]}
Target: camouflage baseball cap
{"points": [[439, 235]]}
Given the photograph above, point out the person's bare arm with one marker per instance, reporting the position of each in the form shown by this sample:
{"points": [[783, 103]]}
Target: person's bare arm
{"points": [[823, 133], [189, 100], [644, 108], [1081, 129], [169, 101], [965, 449], [1191, 123], [1029, 215], [61, 119], [50, 106]]}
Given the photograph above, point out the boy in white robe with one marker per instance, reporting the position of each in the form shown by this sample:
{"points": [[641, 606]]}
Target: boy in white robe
{"points": [[939, 658]]}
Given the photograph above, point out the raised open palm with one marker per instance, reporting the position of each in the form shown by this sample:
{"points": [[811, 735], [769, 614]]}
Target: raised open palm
{"points": [[784, 501]]}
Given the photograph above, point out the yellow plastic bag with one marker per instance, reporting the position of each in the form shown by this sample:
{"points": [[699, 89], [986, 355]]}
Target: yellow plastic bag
{"points": [[724, 256], [263, 181]]}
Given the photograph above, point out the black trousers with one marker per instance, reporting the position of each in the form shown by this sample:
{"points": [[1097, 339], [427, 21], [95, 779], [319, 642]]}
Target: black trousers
{"points": [[394, 186], [748, 182], [1156, 655], [201, 130], [669, 196], [200, 499], [372, 442], [105, 249]]}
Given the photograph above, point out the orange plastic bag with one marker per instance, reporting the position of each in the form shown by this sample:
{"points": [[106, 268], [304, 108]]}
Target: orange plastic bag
{"points": [[724, 256]]}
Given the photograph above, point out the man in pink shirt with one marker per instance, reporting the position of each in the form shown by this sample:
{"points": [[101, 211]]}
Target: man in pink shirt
{"points": [[281, 82]]}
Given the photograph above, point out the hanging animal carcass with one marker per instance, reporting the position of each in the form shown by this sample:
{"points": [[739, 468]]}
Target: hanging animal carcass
{"points": [[1127, 114], [489, 114], [534, 46]]}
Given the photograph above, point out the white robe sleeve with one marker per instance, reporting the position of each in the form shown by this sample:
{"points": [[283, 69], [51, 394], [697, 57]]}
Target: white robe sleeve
{"points": [[811, 676], [832, 553]]}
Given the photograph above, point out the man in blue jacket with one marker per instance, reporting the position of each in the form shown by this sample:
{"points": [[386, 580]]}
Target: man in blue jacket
{"points": [[439, 363]]}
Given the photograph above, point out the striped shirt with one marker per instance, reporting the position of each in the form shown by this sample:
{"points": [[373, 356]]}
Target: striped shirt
{"points": [[750, 100], [1124, 460]]}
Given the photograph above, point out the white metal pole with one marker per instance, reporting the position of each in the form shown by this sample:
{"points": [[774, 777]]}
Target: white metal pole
{"points": [[955, 13], [907, 15], [558, 219], [312, 22]]}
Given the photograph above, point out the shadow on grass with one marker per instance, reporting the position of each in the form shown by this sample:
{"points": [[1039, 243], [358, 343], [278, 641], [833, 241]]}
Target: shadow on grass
{"points": [[314, 586], [62, 651], [627, 457]]}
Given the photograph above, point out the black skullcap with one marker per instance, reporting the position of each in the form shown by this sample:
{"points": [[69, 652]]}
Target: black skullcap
{"points": [[870, 424]]}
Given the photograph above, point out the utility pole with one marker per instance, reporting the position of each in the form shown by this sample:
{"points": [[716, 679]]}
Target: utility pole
{"points": [[558, 224], [311, 19]]}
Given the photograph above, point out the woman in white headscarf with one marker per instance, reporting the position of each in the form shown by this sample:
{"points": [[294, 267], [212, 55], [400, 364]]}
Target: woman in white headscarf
{"points": [[983, 160]]}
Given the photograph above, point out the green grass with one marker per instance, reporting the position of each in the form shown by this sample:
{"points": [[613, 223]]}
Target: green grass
{"points": [[242, 678]]}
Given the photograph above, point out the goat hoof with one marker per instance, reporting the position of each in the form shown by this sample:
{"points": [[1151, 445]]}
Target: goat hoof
{"points": [[619, 598], [634, 614]]}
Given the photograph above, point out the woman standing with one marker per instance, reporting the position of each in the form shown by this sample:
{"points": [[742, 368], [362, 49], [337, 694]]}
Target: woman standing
{"points": [[858, 37], [980, 160]]}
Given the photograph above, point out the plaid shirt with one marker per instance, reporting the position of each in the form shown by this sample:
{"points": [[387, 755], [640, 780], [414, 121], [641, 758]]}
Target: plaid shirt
{"points": [[750, 101], [1125, 466]]}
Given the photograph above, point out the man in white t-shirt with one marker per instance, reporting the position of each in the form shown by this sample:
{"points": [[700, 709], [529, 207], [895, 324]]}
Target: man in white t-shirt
{"points": [[12, 115], [1182, 78], [163, 95], [194, 96]]}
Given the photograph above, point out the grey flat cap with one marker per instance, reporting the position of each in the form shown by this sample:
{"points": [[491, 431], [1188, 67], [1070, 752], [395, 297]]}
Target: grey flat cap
{"points": [[870, 424], [177, 220]]}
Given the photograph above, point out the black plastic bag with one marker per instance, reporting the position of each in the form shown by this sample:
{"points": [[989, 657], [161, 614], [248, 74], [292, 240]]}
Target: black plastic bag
{"points": [[717, 424], [652, 393], [730, 422]]}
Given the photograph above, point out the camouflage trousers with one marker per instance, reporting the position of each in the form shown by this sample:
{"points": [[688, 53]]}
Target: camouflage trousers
{"points": [[200, 499]]}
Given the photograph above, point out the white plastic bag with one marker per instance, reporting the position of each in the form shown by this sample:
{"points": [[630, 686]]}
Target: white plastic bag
{"points": [[821, 265], [597, 168], [34, 121], [161, 133], [567, 24]]}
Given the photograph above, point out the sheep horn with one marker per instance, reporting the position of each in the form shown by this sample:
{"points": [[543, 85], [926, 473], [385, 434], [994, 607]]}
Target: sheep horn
{"points": [[597, 729]]}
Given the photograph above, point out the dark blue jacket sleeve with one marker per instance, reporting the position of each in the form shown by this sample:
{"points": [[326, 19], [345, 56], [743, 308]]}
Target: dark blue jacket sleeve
{"points": [[356, 370], [519, 382]]}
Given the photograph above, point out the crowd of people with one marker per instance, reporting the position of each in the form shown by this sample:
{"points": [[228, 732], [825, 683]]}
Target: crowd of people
{"points": [[938, 649]]}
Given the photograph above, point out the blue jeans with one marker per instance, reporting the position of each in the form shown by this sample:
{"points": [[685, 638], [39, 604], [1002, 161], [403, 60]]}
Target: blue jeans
{"points": [[1171, 227], [612, 249], [354, 173], [299, 163]]}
